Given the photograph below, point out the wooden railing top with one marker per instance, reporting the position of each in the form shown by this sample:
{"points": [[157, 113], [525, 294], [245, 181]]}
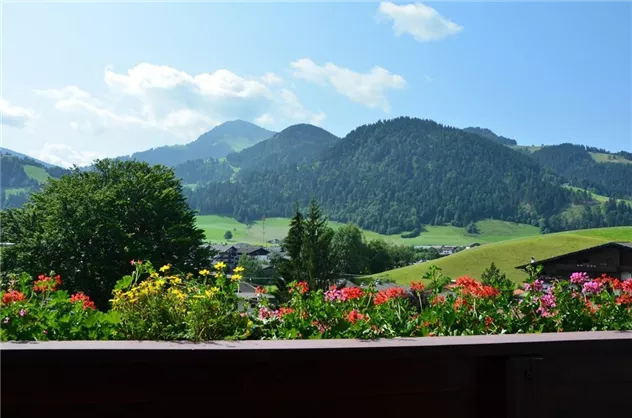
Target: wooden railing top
{"points": [[493, 342]]}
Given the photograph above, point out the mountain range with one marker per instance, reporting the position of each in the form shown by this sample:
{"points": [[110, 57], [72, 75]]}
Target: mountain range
{"points": [[218, 142], [397, 175]]}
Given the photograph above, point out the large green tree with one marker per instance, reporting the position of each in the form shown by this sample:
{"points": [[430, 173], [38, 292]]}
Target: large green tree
{"points": [[349, 251], [88, 225]]}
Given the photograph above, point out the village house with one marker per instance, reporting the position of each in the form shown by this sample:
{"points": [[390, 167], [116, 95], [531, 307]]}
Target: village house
{"points": [[447, 250], [230, 254], [612, 258]]}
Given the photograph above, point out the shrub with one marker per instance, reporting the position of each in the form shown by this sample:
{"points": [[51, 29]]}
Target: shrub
{"points": [[168, 306], [38, 310]]}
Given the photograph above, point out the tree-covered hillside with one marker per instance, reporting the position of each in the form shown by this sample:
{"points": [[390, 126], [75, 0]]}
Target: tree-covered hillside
{"points": [[297, 144], [396, 175], [203, 171], [577, 166], [20, 175]]}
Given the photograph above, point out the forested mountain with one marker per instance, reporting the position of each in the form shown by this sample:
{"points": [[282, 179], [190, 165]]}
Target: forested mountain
{"points": [[577, 166], [218, 142], [396, 175], [20, 175], [204, 171], [486, 133], [297, 144]]}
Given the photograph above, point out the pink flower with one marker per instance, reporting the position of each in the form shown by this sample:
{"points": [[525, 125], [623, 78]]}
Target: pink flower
{"points": [[22, 312], [592, 287], [333, 294], [45, 332], [547, 302], [579, 278], [6, 320]]}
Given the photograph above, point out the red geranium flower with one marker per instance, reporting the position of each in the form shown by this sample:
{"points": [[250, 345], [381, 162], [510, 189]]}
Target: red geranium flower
{"points": [[301, 287], [350, 293], [355, 316], [417, 286], [12, 296], [84, 299], [46, 284], [385, 295]]}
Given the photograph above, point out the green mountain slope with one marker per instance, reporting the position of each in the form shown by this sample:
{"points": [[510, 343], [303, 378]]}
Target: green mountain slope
{"points": [[578, 166], [396, 175], [297, 144], [20, 175], [218, 142], [509, 254], [486, 133]]}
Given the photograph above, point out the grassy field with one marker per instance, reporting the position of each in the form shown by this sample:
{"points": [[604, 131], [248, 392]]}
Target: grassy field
{"points": [[490, 231], [605, 158], [597, 197], [526, 148], [509, 254], [37, 173]]}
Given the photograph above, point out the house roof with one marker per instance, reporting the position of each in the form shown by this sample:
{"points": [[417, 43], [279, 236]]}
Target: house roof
{"points": [[222, 248], [627, 245], [247, 249]]}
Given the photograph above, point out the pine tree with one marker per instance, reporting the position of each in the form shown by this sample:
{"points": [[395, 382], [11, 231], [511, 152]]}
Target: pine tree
{"points": [[316, 259]]}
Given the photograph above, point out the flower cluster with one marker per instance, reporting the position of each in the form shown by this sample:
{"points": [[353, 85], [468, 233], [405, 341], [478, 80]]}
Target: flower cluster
{"points": [[300, 287], [38, 310], [385, 295], [355, 316], [470, 286], [13, 296], [344, 294], [46, 283], [85, 301]]}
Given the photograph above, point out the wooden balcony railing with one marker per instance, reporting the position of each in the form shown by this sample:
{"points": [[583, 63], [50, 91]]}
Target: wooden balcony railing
{"points": [[541, 375]]}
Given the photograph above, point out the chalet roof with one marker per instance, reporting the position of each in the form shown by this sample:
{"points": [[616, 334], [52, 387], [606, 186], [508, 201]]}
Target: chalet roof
{"points": [[222, 248], [247, 249], [627, 245]]}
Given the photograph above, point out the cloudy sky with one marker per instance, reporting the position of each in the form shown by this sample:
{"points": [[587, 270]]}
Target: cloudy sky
{"points": [[81, 81]]}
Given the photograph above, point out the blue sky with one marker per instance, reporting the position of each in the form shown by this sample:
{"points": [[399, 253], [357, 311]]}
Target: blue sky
{"points": [[91, 80]]}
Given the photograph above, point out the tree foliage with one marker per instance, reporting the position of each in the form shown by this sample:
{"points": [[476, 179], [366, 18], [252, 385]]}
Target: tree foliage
{"points": [[88, 225]]}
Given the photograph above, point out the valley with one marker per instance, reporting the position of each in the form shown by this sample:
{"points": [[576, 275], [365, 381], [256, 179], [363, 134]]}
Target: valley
{"points": [[490, 231]]}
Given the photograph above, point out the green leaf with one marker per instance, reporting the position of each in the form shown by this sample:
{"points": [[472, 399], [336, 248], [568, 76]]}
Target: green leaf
{"points": [[123, 283]]}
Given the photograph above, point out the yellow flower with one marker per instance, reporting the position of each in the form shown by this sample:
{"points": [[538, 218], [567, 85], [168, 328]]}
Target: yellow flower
{"points": [[189, 275], [220, 266], [239, 269], [177, 293], [211, 292], [165, 268], [236, 277], [204, 272], [175, 280], [153, 275]]}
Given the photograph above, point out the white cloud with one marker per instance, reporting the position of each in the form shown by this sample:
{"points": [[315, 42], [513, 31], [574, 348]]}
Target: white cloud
{"points": [[67, 92], [424, 23], [65, 155], [165, 98], [368, 88], [15, 116], [271, 79]]}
